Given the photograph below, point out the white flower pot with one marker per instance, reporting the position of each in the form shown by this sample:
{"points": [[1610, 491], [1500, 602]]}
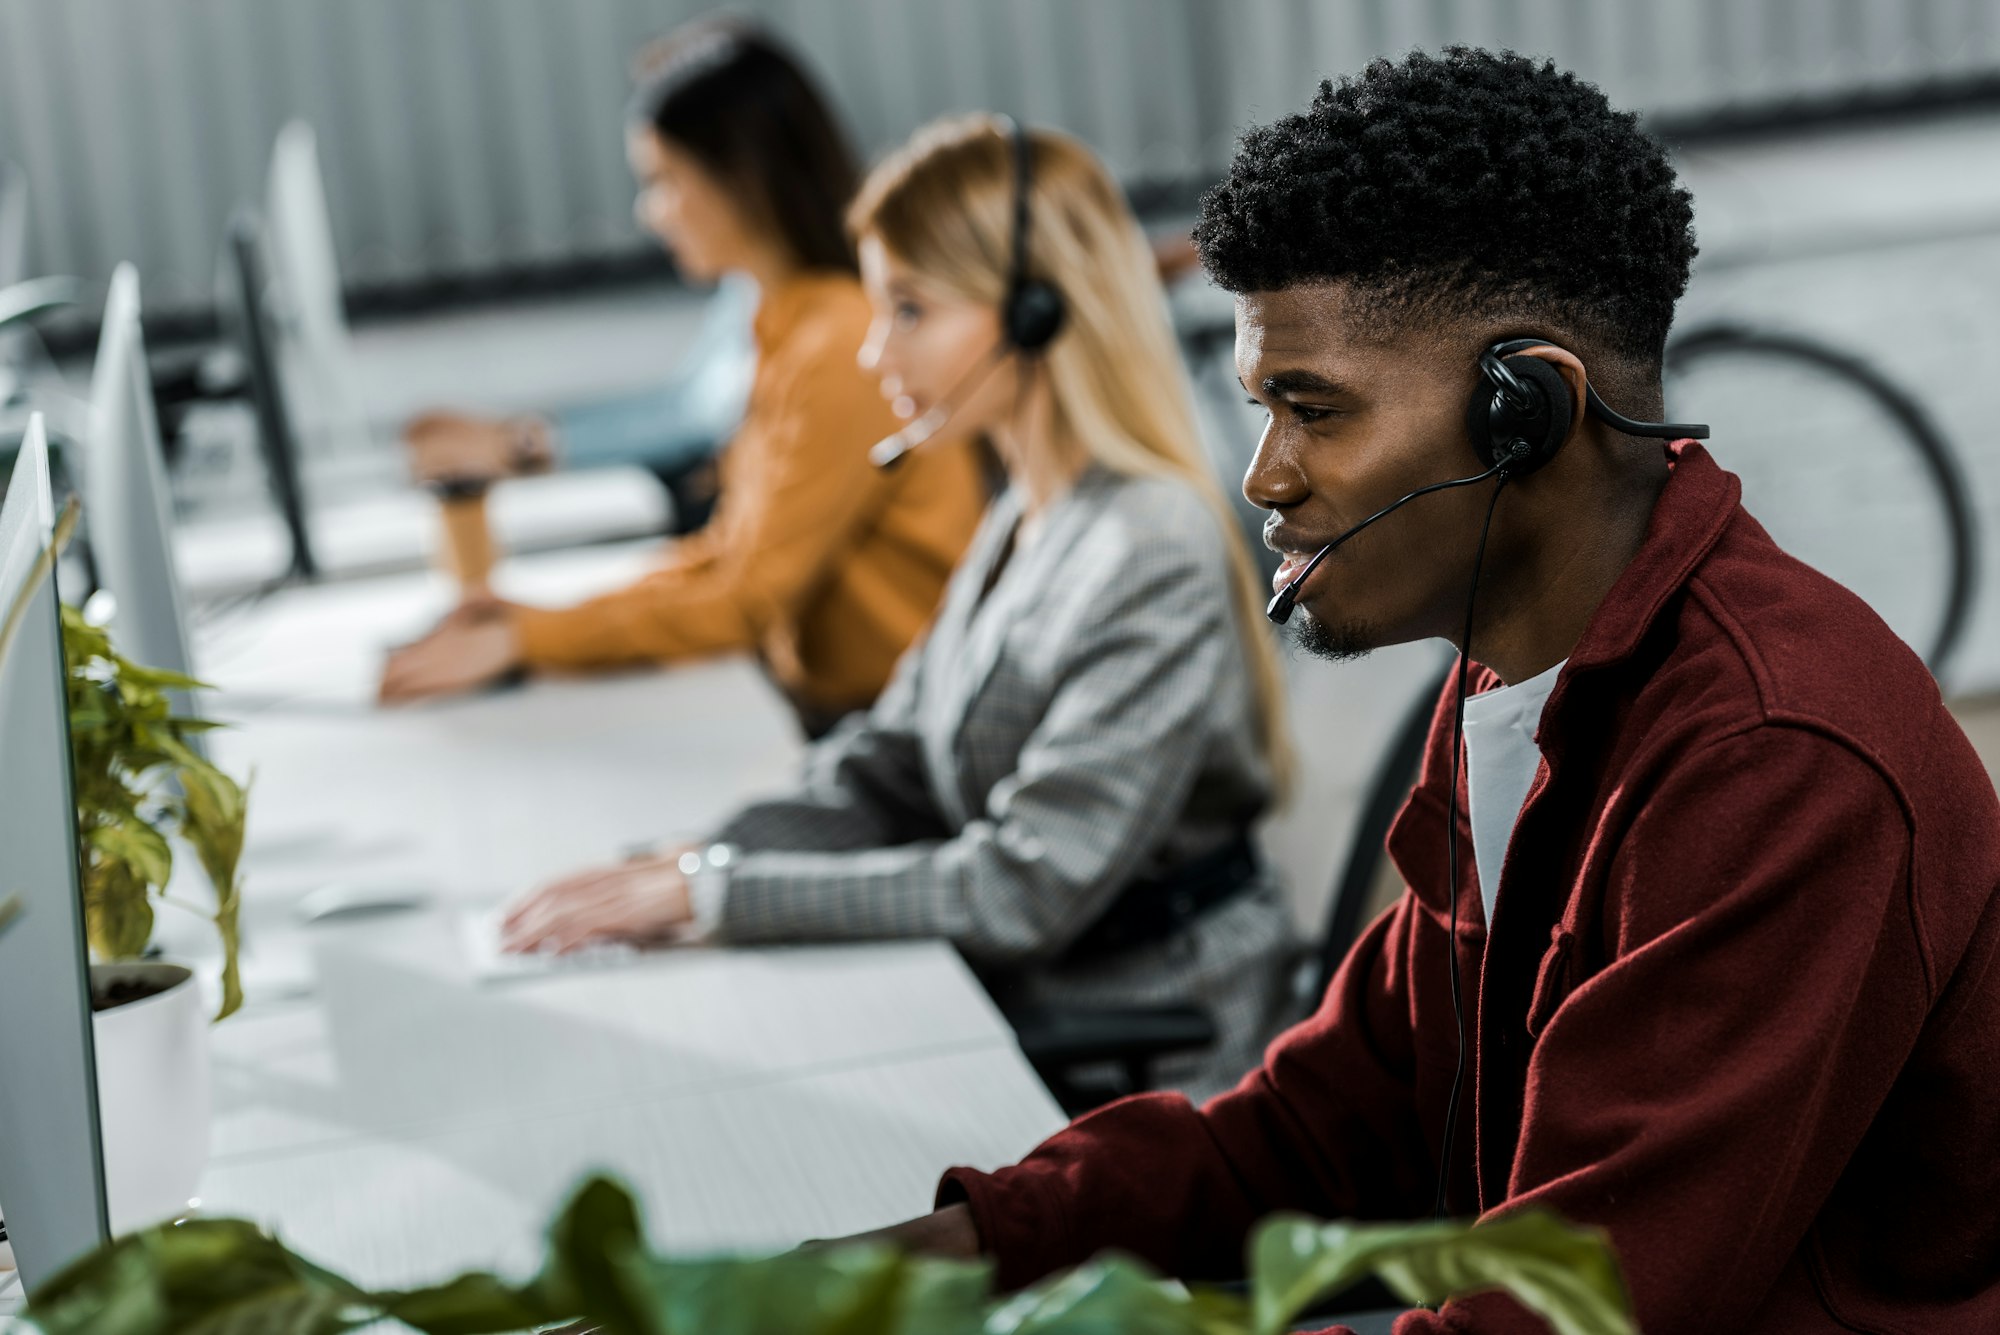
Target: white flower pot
{"points": [[153, 1093]]}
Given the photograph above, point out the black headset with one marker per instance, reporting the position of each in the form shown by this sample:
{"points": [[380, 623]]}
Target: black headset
{"points": [[1520, 412], [1517, 419], [1031, 314]]}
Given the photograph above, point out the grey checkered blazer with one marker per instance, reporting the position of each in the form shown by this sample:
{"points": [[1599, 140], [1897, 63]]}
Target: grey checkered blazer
{"points": [[1088, 722]]}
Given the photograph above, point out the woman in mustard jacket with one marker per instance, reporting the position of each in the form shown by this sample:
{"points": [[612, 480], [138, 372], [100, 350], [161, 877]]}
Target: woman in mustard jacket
{"points": [[823, 565]]}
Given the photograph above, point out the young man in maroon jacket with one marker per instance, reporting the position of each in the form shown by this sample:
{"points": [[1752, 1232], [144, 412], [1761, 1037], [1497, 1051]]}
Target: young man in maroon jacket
{"points": [[1726, 921]]}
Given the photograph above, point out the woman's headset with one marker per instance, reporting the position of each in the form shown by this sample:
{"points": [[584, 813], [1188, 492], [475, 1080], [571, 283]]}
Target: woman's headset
{"points": [[1031, 314], [1032, 311]]}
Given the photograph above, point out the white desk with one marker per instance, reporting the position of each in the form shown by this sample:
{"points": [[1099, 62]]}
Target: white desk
{"points": [[411, 1122], [365, 519], [402, 1120]]}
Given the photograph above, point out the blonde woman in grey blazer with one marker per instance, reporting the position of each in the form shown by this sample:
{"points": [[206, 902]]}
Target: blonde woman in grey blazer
{"points": [[1062, 776]]}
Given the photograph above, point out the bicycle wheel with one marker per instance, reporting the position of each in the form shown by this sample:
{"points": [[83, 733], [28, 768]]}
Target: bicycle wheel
{"points": [[1843, 466]]}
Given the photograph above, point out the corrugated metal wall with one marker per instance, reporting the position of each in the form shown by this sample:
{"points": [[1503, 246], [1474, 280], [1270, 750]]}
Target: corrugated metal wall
{"points": [[472, 136]]}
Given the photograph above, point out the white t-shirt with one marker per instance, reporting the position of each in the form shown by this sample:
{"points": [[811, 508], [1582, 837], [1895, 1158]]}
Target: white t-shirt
{"points": [[1501, 759]]}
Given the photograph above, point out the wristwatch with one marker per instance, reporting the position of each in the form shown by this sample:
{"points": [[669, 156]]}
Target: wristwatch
{"points": [[532, 449], [707, 871]]}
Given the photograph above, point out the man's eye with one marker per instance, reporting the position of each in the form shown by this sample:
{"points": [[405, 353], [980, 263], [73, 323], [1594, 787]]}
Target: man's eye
{"points": [[1304, 414], [907, 314]]}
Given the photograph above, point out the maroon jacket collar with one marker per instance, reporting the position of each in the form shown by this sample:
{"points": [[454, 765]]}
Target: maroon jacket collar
{"points": [[1694, 508]]}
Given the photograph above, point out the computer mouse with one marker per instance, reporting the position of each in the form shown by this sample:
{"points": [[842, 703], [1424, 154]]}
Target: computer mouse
{"points": [[346, 900]]}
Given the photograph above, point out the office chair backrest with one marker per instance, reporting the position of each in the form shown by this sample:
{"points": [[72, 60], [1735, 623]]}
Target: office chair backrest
{"points": [[13, 224], [1368, 880]]}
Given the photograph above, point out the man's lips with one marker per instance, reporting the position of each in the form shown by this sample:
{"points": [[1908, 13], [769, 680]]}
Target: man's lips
{"points": [[1297, 550], [1289, 570]]}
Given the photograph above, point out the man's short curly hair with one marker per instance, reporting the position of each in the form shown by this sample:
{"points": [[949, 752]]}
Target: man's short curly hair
{"points": [[1459, 184]]}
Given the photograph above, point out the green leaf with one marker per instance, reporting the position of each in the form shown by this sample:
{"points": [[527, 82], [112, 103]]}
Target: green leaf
{"points": [[117, 915], [81, 640], [163, 679], [213, 814], [475, 1304], [595, 1261], [214, 809], [852, 1290], [942, 1297], [201, 1277], [228, 927], [138, 845], [1115, 1296], [1567, 1275]]}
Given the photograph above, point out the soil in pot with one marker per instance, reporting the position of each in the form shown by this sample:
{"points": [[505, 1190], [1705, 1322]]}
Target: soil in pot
{"points": [[116, 992]]}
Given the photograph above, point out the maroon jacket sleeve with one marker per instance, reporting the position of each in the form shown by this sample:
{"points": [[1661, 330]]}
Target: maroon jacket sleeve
{"points": [[1697, 1094], [1323, 1127]]}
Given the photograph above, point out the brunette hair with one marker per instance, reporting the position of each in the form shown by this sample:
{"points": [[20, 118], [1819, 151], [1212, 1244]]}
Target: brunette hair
{"points": [[728, 93]]}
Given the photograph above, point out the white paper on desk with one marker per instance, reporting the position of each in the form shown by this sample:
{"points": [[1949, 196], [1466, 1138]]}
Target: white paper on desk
{"points": [[479, 934]]}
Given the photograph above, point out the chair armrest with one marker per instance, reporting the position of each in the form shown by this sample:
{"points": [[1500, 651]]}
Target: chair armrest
{"points": [[37, 296], [1054, 1037]]}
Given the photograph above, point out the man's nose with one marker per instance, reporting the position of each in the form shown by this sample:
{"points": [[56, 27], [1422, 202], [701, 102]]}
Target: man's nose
{"points": [[1273, 480]]}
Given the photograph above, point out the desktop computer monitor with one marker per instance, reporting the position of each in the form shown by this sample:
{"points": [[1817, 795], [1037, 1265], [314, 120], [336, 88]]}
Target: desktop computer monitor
{"points": [[125, 493], [51, 1162], [305, 271], [242, 287]]}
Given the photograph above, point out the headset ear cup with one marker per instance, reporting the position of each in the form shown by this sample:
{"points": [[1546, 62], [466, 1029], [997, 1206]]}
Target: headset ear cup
{"points": [[1494, 424], [1034, 315], [1555, 393]]}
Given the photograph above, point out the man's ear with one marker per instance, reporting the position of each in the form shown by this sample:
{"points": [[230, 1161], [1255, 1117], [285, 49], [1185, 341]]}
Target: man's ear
{"points": [[1574, 376]]}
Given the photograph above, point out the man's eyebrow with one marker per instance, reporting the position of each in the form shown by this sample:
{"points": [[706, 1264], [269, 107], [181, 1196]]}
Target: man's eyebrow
{"points": [[1293, 384]]}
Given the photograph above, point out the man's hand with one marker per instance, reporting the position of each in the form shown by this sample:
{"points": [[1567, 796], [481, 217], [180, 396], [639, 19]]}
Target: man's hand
{"points": [[949, 1233], [457, 447], [470, 649], [641, 901]]}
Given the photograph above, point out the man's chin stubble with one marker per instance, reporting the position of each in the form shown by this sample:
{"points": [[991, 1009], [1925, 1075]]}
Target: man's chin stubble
{"points": [[1336, 644]]}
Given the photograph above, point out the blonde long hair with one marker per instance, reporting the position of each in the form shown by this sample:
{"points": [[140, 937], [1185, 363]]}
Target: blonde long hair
{"points": [[944, 205]]}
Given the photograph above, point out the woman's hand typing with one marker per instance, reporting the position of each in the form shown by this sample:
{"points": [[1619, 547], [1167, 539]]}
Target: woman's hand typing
{"points": [[643, 900]]}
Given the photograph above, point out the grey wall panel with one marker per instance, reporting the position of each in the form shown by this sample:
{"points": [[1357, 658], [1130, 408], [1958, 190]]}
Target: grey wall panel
{"points": [[462, 137]]}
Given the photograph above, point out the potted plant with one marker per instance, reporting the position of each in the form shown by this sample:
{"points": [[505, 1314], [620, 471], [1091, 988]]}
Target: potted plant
{"points": [[141, 781], [215, 1274]]}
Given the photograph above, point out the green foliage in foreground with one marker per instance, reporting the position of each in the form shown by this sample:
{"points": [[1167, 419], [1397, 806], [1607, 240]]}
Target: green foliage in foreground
{"points": [[229, 1277]]}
